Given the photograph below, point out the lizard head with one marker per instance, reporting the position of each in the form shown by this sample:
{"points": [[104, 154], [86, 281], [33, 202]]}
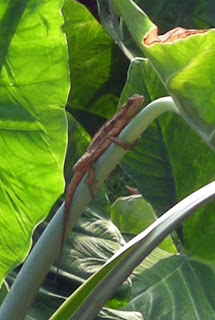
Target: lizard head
{"points": [[133, 105]]}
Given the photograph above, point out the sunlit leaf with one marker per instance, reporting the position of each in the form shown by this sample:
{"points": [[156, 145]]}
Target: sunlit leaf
{"points": [[34, 88]]}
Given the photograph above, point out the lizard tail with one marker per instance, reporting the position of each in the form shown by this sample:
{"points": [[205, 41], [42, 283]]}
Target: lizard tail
{"points": [[66, 211], [67, 204]]}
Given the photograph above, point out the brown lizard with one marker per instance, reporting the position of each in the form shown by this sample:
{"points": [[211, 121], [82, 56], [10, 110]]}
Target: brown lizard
{"points": [[102, 139]]}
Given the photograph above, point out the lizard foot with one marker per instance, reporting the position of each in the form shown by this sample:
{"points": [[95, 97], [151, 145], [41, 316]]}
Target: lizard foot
{"points": [[123, 144]]}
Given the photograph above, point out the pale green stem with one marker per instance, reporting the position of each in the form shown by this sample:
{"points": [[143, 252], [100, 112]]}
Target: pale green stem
{"points": [[34, 270]]}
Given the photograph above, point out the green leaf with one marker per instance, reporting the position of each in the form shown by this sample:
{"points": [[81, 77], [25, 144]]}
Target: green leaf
{"points": [[169, 163], [148, 164], [78, 141], [34, 88], [110, 314], [183, 60], [93, 241], [45, 304], [189, 78], [187, 13], [133, 214], [3, 291], [142, 79], [93, 61], [166, 14], [174, 288]]}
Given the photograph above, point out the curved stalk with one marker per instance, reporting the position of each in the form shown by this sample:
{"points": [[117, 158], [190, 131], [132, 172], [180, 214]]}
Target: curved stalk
{"points": [[35, 268], [90, 297]]}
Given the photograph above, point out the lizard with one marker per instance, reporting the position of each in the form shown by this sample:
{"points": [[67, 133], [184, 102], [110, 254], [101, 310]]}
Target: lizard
{"points": [[103, 138]]}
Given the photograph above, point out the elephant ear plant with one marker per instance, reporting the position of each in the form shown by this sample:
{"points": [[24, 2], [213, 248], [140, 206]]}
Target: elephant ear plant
{"points": [[176, 70]]}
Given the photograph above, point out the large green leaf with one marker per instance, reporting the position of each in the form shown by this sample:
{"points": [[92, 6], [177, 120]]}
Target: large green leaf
{"points": [[78, 141], [193, 165], [148, 164], [166, 14], [185, 13], [34, 88], [174, 288], [169, 163], [183, 60], [162, 283], [93, 61], [93, 241], [186, 69]]}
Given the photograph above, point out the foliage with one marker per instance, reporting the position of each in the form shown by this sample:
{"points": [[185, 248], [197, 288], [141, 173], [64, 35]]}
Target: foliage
{"points": [[34, 88], [173, 159]]}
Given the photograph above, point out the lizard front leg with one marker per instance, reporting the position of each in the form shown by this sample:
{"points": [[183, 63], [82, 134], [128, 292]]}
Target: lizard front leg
{"points": [[90, 180], [123, 144]]}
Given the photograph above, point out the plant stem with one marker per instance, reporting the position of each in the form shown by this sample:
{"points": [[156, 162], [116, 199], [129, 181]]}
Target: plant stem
{"points": [[35, 268]]}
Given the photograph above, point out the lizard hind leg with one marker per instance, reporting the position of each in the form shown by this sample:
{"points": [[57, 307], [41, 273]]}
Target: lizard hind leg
{"points": [[90, 180]]}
